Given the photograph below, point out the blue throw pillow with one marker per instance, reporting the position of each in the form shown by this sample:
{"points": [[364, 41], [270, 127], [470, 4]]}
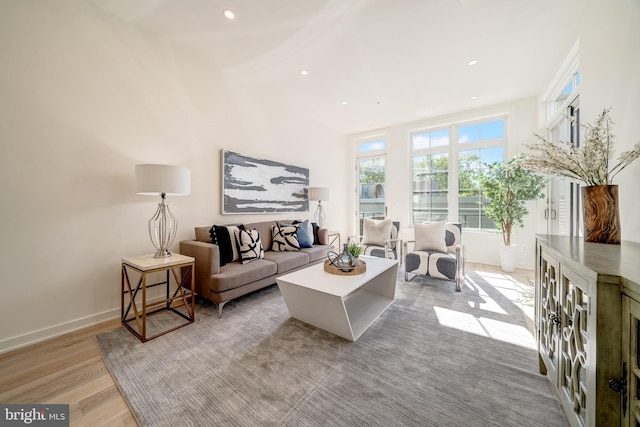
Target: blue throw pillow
{"points": [[315, 228], [305, 238]]}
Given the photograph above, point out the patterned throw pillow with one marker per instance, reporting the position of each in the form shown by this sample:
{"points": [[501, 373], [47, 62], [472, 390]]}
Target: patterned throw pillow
{"points": [[285, 239], [249, 245]]}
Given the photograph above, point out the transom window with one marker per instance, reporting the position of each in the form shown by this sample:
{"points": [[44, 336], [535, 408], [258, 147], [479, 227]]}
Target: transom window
{"points": [[437, 138], [370, 146]]}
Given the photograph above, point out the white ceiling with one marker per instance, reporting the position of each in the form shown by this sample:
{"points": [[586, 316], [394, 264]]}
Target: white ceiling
{"points": [[393, 61]]}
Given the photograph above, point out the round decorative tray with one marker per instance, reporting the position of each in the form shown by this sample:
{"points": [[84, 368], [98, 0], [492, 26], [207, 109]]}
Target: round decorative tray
{"points": [[359, 268]]}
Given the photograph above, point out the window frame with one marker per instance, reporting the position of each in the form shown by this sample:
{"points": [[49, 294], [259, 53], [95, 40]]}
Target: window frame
{"points": [[374, 154], [453, 149]]}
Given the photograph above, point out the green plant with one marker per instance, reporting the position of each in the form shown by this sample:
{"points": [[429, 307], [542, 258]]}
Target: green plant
{"points": [[355, 249], [508, 186]]}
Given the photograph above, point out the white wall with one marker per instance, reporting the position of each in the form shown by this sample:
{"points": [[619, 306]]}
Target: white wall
{"points": [[610, 69], [83, 98]]}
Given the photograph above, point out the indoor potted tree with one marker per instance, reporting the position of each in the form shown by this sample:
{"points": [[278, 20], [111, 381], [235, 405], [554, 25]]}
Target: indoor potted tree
{"points": [[509, 186]]}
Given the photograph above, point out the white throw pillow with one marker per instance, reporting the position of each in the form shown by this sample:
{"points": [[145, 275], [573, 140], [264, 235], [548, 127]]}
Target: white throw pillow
{"points": [[430, 237], [376, 232]]}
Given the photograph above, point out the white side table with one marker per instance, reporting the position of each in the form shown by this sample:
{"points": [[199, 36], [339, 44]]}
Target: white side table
{"points": [[135, 315]]}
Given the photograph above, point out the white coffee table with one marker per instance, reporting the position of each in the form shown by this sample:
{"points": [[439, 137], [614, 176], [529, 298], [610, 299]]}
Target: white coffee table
{"points": [[341, 304]]}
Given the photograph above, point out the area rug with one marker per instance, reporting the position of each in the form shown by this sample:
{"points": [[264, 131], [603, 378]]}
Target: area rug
{"points": [[436, 357]]}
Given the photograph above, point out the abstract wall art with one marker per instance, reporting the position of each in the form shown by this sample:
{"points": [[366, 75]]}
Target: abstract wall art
{"points": [[254, 185]]}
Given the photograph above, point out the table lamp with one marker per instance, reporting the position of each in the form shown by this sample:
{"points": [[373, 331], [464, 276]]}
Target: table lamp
{"points": [[319, 194], [162, 180]]}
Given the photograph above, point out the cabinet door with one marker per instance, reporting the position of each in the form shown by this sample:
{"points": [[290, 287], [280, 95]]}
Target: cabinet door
{"points": [[630, 352], [573, 369], [549, 314]]}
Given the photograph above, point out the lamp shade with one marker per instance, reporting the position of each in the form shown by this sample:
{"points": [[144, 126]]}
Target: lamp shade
{"points": [[154, 180], [319, 193]]}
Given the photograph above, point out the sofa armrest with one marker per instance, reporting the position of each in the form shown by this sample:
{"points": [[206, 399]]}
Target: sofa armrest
{"points": [[207, 257]]}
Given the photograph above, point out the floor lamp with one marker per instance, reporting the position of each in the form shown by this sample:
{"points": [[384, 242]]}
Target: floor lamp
{"points": [[162, 180], [319, 194]]}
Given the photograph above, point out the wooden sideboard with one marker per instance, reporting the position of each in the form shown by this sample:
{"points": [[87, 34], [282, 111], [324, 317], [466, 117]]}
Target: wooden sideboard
{"points": [[587, 327]]}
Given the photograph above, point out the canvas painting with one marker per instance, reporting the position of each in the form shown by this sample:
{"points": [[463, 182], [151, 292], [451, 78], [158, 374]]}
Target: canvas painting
{"points": [[254, 185]]}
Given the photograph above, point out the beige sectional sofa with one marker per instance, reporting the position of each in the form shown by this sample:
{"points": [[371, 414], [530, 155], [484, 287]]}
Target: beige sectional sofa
{"points": [[221, 283]]}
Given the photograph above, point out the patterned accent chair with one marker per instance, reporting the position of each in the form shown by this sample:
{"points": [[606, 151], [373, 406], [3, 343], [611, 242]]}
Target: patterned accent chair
{"points": [[381, 246], [437, 251]]}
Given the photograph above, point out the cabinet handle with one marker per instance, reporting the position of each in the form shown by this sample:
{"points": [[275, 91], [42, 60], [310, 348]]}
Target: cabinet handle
{"points": [[620, 386], [554, 318]]}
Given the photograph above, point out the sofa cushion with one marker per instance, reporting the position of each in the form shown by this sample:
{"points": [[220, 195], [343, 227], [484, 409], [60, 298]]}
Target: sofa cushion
{"points": [[286, 261], [235, 274], [432, 263], [249, 245], [203, 234], [317, 252], [285, 239]]}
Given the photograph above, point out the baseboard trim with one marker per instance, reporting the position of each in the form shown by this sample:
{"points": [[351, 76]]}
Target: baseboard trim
{"points": [[14, 343]]}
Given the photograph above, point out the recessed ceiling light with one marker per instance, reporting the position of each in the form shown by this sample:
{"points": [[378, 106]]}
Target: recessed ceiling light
{"points": [[304, 72], [473, 62], [344, 102], [370, 122], [229, 14], [473, 98]]}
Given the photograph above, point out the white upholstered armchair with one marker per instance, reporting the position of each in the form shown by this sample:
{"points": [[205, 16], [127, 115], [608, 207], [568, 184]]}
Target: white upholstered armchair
{"points": [[437, 251], [379, 239]]}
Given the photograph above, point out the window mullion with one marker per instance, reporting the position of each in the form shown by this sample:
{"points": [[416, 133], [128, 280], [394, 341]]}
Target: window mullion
{"points": [[453, 175]]}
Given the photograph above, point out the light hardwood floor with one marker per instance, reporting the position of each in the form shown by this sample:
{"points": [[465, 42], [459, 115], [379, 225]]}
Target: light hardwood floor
{"points": [[70, 370], [66, 370]]}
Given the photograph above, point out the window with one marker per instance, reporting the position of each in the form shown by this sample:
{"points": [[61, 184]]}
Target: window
{"points": [[430, 172], [571, 86], [437, 138], [471, 202], [562, 104], [481, 132], [444, 173], [371, 172], [430, 187], [369, 146]]}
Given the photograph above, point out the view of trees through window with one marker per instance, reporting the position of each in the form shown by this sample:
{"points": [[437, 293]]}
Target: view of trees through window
{"points": [[435, 172], [371, 171], [430, 187]]}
